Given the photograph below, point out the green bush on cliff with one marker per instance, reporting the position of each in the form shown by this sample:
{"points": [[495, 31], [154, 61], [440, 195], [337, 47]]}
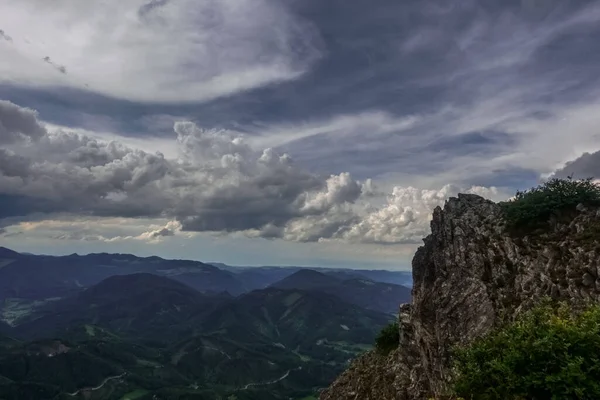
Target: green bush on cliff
{"points": [[549, 353], [534, 207], [388, 339]]}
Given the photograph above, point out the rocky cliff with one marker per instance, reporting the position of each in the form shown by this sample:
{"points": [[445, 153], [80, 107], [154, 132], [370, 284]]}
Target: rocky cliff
{"points": [[470, 275]]}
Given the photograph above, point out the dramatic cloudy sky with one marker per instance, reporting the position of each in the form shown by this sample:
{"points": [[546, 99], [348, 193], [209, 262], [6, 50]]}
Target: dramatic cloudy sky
{"points": [[313, 132]]}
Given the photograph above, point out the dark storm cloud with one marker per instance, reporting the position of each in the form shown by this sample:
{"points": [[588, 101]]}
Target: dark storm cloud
{"points": [[17, 123], [441, 61], [218, 183], [585, 166]]}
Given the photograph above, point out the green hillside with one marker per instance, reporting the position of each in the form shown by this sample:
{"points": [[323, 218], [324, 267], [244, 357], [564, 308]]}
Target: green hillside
{"points": [[143, 336], [138, 305]]}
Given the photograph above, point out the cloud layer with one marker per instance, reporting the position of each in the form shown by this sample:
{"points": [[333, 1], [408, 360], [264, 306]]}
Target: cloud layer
{"points": [[18, 124], [489, 90], [426, 98], [423, 93], [154, 51], [583, 167], [218, 183]]}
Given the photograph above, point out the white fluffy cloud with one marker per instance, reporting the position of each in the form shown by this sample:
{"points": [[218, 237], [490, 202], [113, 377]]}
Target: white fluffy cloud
{"points": [[405, 217], [169, 229], [402, 219], [218, 183], [147, 50], [93, 229]]}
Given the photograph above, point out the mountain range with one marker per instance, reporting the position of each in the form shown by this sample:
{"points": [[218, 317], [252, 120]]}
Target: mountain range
{"points": [[378, 296], [36, 277], [116, 326]]}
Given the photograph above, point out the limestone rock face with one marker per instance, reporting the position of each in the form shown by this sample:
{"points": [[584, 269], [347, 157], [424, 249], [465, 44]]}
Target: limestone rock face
{"points": [[470, 275]]}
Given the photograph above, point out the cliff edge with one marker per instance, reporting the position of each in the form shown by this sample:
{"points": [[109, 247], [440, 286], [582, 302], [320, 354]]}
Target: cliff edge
{"points": [[470, 275]]}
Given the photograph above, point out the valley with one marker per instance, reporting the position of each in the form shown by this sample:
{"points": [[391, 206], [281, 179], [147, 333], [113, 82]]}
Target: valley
{"points": [[153, 329]]}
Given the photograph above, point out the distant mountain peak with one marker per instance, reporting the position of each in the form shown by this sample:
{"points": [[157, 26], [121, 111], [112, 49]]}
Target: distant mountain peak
{"points": [[139, 303], [139, 287], [8, 253], [358, 290], [306, 279], [140, 280], [309, 273]]}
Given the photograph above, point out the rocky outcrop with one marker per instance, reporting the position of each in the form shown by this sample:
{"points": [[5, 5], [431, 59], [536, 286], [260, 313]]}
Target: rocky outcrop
{"points": [[469, 276]]}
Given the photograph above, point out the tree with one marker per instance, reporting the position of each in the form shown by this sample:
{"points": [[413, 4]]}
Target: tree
{"points": [[388, 339], [534, 207], [549, 353]]}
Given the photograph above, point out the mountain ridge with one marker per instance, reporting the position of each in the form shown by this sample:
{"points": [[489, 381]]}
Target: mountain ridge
{"points": [[306, 279], [5, 253], [305, 315], [123, 303], [39, 277], [149, 333], [379, 296]]}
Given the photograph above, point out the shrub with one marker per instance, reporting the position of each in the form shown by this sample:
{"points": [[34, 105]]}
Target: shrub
{"points": [[534, 207], [549, 353], [388, 339]]}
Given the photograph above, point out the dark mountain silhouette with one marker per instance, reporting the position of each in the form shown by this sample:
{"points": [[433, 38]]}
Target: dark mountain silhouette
{"points": [[176, 328], [402, 278], [7, 341], [147, 331], [39, 277], [384, 297], [307, 279], [143, 305], [293, 318], [5, 329], [8, 253], [261, 277]]}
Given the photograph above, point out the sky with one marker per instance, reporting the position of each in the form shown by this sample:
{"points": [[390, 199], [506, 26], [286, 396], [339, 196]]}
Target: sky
{"points": [[288, 132]]}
